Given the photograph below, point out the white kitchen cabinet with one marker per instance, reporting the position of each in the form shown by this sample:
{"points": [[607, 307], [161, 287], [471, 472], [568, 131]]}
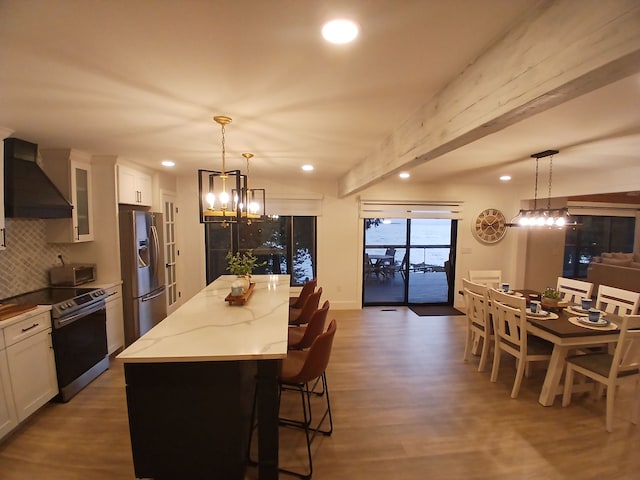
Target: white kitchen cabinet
{"points": [[134, 187], [8, 415], [115, 319], [31, 362], [70, 171]]}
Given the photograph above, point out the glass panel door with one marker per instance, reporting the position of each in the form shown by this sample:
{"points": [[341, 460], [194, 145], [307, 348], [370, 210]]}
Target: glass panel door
{"points": [[385, 266], [430, 242], [408, 261]]}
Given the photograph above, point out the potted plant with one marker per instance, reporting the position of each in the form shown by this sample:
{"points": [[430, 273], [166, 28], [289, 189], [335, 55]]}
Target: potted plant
{"points": [[242, 265], [551, 298]]}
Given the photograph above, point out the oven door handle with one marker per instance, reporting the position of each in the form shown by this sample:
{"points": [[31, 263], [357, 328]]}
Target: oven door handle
{"points": [[61, 322]]}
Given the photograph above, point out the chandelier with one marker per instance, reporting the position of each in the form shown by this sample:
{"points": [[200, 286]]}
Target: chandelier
{"points": [[542, 217], [225, 196]]}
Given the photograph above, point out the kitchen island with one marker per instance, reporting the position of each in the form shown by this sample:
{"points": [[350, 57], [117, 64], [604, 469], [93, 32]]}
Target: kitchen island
{"points": [[191, 380]]}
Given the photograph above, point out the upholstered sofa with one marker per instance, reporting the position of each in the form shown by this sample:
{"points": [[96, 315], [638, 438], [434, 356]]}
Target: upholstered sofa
{"points": [[620, 270]]}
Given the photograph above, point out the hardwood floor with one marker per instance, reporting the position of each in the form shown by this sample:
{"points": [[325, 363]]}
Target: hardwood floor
{"points": [[405, 406]]}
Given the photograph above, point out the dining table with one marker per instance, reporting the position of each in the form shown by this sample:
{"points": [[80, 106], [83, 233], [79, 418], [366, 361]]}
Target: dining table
{"points": [[381, 259], [379, 262], [567, 336]]}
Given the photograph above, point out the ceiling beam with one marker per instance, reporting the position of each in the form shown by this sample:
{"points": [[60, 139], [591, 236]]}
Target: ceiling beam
{"points": [[562, 49]]}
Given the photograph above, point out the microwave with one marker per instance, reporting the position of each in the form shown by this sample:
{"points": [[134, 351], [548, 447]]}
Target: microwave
{"points": [[72, 274]]}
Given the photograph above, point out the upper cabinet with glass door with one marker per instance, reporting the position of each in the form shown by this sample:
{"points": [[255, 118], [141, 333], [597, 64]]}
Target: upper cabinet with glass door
{"points": [[70, 171]]}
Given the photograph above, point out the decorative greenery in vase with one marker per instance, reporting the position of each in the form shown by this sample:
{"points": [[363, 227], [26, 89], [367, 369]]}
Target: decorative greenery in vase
{"points": [[242, 264], [551, 293]]}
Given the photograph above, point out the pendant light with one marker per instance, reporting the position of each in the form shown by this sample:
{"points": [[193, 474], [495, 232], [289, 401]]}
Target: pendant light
{"points": [[224, 194], [542, 217]]}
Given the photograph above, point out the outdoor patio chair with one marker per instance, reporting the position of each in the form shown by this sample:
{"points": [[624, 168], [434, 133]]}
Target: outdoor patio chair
{"points": [[397, 267]]}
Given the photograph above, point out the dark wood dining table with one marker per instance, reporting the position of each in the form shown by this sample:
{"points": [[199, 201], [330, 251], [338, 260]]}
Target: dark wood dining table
{"points": [[566, 337]]}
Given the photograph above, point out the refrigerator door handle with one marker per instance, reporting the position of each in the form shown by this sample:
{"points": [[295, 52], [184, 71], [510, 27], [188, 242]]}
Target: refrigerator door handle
{"points": [[146, 298], [155, 251]]}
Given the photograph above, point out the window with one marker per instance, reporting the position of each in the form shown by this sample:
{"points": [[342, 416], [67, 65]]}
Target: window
{"points": [[285, 244], [594, 235]]}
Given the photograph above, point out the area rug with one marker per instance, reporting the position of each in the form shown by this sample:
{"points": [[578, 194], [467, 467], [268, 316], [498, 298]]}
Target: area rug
{"points": [[435, 310]]}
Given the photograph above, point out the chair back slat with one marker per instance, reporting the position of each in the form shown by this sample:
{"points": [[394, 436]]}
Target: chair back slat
{"points": [[574, 290], [617, 301], [476, 298], [490, 278], [509, 318]]}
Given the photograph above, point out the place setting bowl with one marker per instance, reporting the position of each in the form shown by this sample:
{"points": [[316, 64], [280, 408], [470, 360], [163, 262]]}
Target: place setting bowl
{"points": [[534, 310]]}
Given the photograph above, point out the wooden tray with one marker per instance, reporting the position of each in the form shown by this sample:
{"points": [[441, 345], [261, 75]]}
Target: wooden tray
{"points": [[9, 310], [240, 299], [553, 304]]}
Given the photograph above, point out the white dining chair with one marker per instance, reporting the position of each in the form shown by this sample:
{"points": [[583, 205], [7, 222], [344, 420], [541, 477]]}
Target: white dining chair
{"points": [[617, 301], [479, 327], [490, 278], [611, 370], [574, 290], [510, 333]]}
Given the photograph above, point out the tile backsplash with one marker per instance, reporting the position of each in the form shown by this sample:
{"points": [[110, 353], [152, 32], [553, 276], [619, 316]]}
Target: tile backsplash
{"points": [[25, 263]]}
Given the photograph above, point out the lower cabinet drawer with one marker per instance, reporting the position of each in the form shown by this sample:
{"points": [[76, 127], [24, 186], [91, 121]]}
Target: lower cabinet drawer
{"points": [[26, 328]]}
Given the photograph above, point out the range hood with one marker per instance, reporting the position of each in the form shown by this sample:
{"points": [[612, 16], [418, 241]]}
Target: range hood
{"points": [[28, 192]]}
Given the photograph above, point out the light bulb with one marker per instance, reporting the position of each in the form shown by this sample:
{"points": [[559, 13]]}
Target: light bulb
{"points": [[211, 200], [550, 221], [560, 221], [524, 221], [254, 207], [224, 199], [540, 221]]}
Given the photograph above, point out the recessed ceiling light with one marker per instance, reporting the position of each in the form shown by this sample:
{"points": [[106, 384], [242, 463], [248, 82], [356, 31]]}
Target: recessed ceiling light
{"points": [[404, 175], [340, 31], [505, 178], [168, 163], [307, 168]]}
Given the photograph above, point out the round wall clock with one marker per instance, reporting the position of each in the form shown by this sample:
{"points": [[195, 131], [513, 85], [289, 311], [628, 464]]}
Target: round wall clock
{"points": [[490, 226]]}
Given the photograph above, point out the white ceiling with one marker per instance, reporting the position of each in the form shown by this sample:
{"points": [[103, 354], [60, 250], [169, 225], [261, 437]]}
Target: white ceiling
{"points": [[143, 78]]}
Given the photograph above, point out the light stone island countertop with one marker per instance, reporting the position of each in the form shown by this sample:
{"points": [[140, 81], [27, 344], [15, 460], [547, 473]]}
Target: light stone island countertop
{"points": [[206, 328]]}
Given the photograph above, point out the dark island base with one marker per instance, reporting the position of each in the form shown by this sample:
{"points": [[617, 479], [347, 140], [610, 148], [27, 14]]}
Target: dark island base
{"points": [[191, 420]]}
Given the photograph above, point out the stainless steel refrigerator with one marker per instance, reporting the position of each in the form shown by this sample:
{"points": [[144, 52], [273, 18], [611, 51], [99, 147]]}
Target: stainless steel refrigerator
{"points": [[143, 272]]}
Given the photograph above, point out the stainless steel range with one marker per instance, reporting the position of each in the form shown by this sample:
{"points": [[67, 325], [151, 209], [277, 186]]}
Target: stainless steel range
{"points": [[78, 335]]}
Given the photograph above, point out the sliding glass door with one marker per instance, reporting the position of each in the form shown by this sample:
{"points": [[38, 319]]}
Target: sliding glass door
{"points": [[408, 261]]}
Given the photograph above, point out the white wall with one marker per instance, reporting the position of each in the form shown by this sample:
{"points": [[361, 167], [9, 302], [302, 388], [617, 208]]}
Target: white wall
{"points": [[340, 234]]}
